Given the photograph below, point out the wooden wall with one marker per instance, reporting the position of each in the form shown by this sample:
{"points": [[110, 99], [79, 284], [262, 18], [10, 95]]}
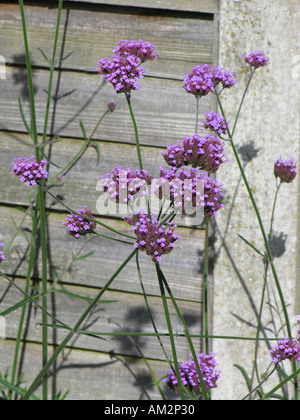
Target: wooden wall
{"points": [[185, 35]]}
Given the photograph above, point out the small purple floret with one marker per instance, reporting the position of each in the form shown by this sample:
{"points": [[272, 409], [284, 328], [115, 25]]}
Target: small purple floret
{"points": [[285, 170], [189, 375], [79, 226], [29, 170], [2, 256]]}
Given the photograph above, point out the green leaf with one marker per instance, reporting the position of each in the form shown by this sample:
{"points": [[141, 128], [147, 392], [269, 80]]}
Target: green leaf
{"points": [[23, 118], [16, 389], [83, 131], [45, 57], [252, 246], [22, 209], [77, 296], [96, 146], [15, 307], [67, 56], [82, 257], [245, 374]]}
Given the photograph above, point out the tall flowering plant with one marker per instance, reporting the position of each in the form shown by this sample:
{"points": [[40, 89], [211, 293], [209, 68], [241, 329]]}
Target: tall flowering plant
{"points": [[188, 183]]}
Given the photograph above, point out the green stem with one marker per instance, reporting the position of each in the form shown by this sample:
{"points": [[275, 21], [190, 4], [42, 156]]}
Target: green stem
{"points": [[43, 231], [150, 312], [40, 194], [280, 385], [52, 72], [197, 114], [30, 82], [23, 313], [242, 102], [206, 322], [259, 385], [135, 130], [265, 283], [170, 329], [162, 279], [63, 344], [84, 147]]}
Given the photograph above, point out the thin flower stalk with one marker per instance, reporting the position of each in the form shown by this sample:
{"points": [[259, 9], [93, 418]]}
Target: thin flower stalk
{"points": [[41, 201]]}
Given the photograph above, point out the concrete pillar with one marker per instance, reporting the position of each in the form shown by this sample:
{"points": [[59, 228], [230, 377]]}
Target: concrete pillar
{"points": [[268, 127]]}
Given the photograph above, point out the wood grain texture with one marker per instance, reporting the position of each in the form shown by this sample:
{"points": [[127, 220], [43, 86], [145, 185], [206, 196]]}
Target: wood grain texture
{"points": [[163, 110], [91, 36], [90, 375], [119, 312], [204, 6]]}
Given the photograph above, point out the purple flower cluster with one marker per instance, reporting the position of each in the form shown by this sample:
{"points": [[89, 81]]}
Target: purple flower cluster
{"points": [[122, 184], [190, 188], [141, 49], [205, 153], [223, 77], [202, 80], [215, 122], [29, 170], [79, 226], [156, 240], [2, 257], [189, 376], [285, 170], [287, 349], [256, 59], [123, 70]]}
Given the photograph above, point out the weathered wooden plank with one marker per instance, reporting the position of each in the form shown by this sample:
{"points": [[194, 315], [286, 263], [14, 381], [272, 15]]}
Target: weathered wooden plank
{"points": [[91, 36], [182, 267], [204, 6], [125, 312], [163, 109], [89, 375]]}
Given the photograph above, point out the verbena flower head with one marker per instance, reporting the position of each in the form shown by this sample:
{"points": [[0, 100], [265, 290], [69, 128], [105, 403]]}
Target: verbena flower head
{"points": [[203, 79], [141, 49], [223, 77], [79, 226], [189, 376], [285, 170], [190, 189], [206, 153], [288, 349], [256, 59], [122, 184], [29, 170], [122, 71], [152, 238], [215, 122], [2, 256], [199, 81]]}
